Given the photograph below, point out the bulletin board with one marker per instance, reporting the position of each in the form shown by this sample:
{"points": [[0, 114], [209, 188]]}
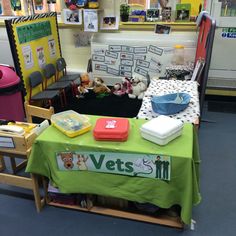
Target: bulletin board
{"points": [[34, 42]]}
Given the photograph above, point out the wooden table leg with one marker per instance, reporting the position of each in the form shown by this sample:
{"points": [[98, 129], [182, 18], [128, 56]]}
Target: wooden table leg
{"points": [[39, 203]]}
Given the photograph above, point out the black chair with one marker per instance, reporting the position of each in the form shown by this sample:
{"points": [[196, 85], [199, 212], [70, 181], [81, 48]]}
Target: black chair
{"points": [[73, 78], [50, 74], [36, 82]]}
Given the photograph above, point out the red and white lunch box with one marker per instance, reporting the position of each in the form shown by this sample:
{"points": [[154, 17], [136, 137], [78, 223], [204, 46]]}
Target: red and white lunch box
{"points": [[111, 129]]}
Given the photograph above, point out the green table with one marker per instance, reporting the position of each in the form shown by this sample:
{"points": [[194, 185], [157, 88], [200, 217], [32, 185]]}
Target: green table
{"points": [[182, 189]]}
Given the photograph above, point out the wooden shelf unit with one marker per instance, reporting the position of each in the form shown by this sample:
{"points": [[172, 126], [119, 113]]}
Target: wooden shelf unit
{"points": [[162, 220]]}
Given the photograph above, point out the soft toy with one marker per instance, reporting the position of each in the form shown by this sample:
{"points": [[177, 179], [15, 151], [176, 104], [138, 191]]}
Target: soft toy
{"points": [[126, 85], [99, 87], [138, 88], [85, 84], [118, 89]]}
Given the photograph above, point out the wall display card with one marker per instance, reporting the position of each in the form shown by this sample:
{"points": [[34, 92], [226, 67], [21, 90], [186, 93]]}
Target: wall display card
{"points": [[142, 63], [72, 17], [140, 50], [169, 50], [112, 71], [127, 49], [127, 62], [139, 57], [98, 58], [109, 23], [110, 61], [111, 54], [127, 56], [6, 142], [99, 51], [155, 66], [155, 50], [52, 47], [115, 48], [90, 20], [100, 67], [145, 165], [126, 68], [41, 57], [28, 57], [141, 71], [126, 74]]}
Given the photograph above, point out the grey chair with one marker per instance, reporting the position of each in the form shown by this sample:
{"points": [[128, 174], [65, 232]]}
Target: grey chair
{"points": [[62, 75], [50, 74], [36, 82]]}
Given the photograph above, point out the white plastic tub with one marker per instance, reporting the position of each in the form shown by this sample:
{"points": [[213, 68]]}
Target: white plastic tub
{"points": [[161, 130]]}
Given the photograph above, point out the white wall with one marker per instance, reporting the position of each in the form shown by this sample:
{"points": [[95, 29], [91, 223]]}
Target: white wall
{"points": [[5, 51]]}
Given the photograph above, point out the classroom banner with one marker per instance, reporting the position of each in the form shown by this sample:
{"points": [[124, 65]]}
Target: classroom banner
{"points": [[143, 165], [34, 42]]}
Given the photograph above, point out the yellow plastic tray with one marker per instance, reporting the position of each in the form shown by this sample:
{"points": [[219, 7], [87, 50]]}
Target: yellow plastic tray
{"points": [[71, 123]]}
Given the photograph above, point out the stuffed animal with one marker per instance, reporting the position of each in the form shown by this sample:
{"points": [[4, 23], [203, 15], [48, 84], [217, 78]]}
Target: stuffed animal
{"points": [[85, 84], [138, 88], [84, 79], [118, 89], [126, 85], [99, 87]]}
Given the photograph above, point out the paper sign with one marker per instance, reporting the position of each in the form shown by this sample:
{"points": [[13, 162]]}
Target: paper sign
{"points": [[155, 50], [143, 165], [41, 57], [6, 142], [90, 20], [52, 47], [28, 57]]}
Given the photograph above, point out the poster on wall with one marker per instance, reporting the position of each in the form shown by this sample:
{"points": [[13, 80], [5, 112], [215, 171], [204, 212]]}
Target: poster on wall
{"points": [[109, 23], [90, 20], [72, 17], [28, 56], [41, 57], [52, 47]]}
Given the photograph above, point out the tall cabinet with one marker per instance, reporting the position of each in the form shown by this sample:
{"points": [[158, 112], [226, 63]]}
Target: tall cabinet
{"points": [[222, 74]]}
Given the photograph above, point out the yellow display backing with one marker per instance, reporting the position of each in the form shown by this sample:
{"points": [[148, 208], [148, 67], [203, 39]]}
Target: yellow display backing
{"points": [[33, 55]]}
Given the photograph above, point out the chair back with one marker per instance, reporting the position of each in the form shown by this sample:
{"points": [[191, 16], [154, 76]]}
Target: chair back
{"points": [[34, 111], [61, 64], [35, 78], [49, 72]]}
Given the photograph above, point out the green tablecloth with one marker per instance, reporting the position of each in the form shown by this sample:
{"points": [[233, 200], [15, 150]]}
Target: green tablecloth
{"points": [[182, 189]]}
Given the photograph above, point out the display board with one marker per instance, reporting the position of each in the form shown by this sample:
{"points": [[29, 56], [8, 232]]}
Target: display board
{"points": [[34, 42], [123, 54]]}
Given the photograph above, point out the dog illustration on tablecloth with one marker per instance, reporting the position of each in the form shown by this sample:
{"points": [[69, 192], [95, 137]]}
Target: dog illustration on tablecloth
{"points": [[67, 158], [82, 162]]}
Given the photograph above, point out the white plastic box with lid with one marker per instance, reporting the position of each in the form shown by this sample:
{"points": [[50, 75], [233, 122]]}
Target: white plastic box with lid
{"points": [[121, 54], [161, 130]]}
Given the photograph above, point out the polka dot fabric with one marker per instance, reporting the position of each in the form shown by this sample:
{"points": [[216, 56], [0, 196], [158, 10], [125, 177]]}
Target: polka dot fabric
{"points": [[161, 87]]}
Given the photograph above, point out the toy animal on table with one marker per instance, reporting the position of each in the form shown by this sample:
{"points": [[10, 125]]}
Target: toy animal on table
{"points": [[138, 87], [100, 88], [123, 88], [85, 84]]}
